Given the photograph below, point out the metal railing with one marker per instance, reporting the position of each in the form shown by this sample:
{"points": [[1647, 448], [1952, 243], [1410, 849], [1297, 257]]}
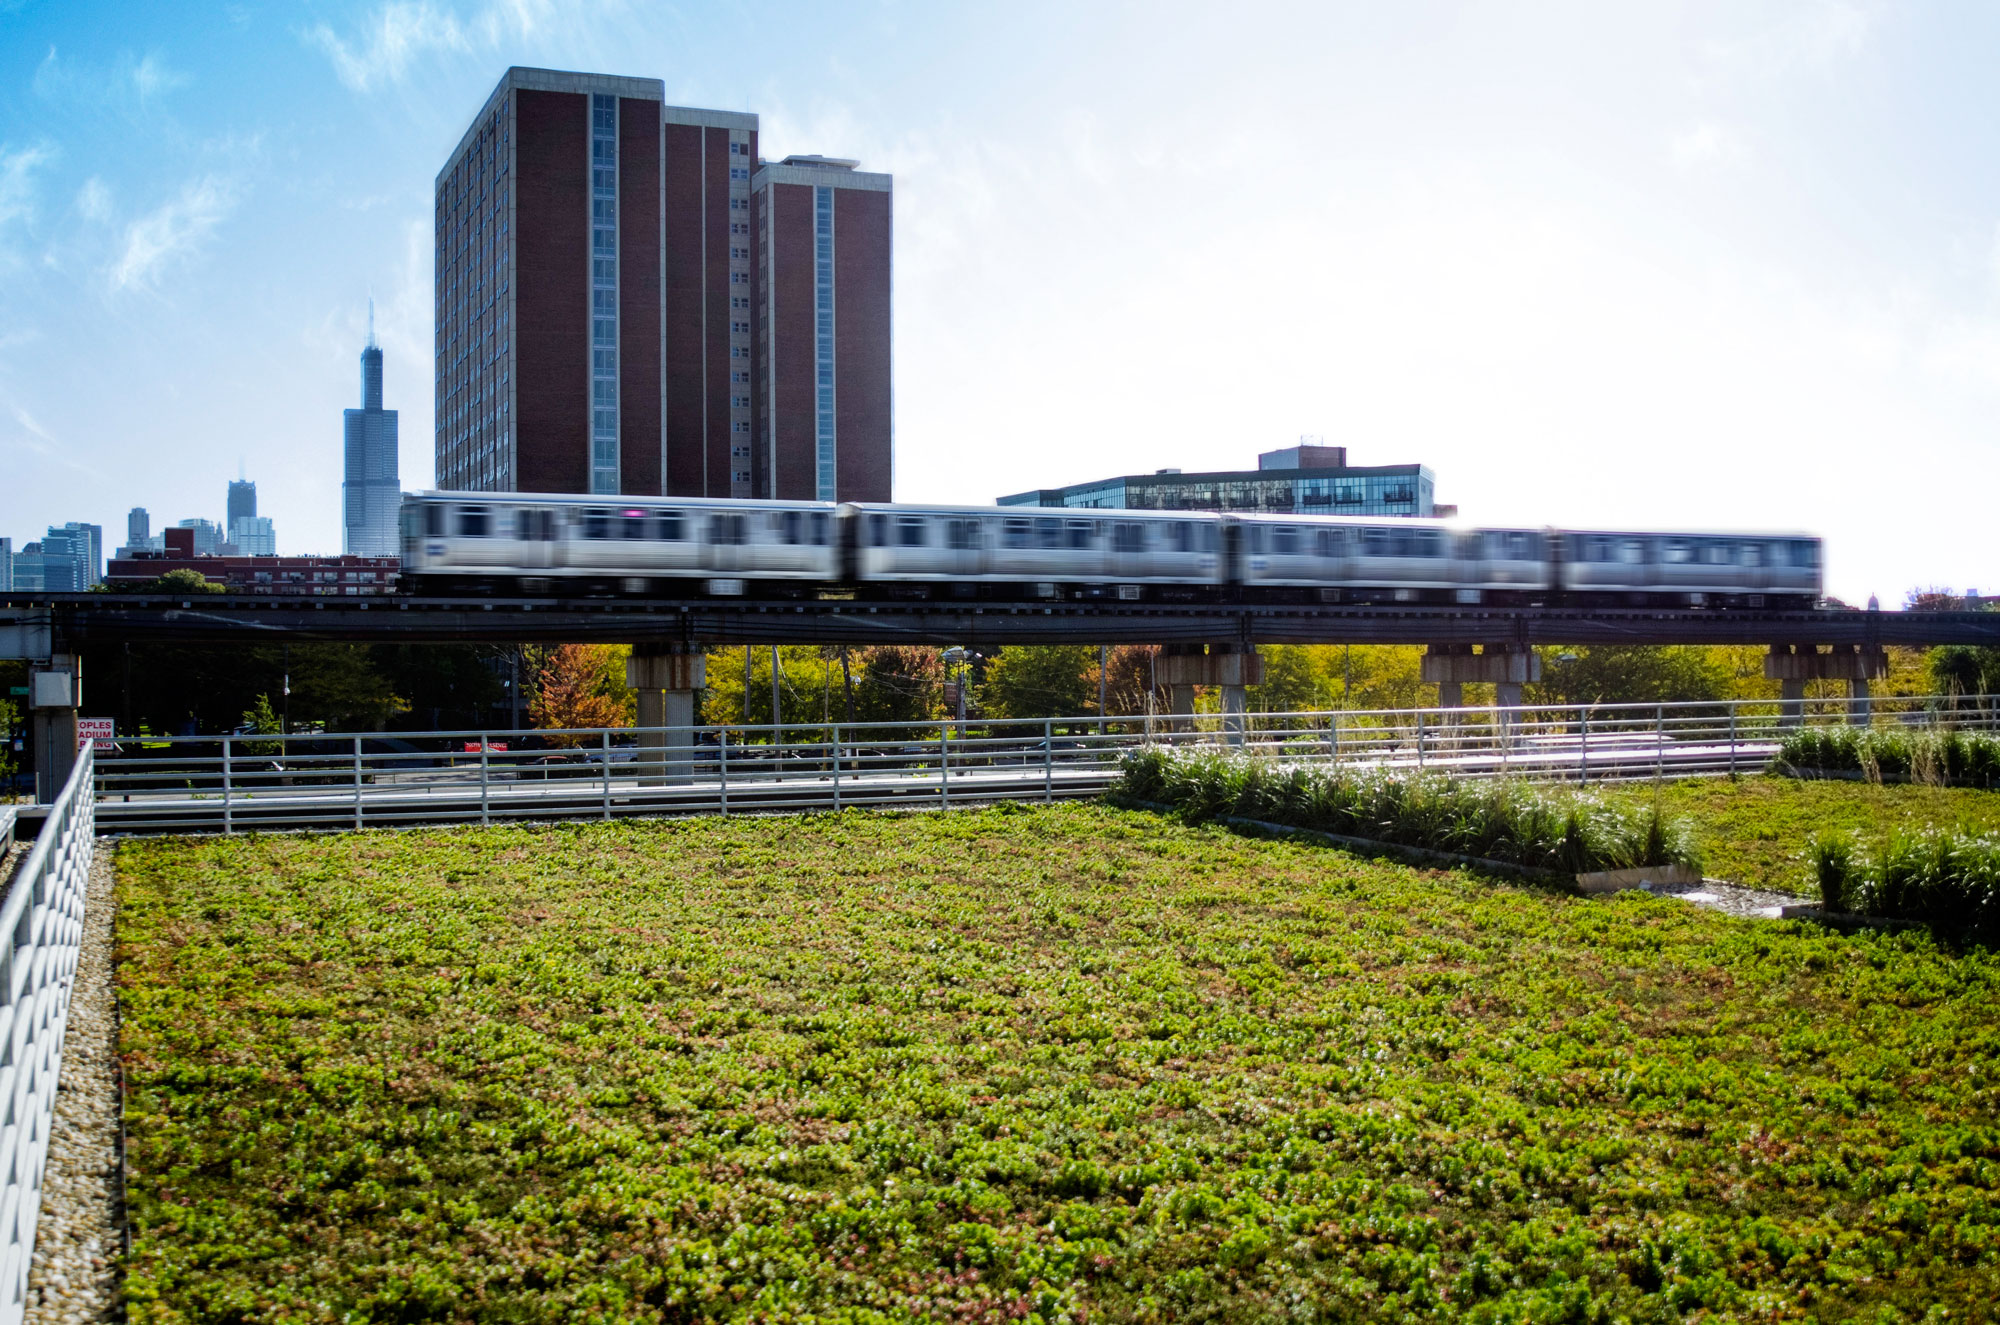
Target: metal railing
{"points": [[359, 780], [42, 918]]}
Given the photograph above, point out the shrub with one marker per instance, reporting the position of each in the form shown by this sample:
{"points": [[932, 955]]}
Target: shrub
{"points": [[1948, 881], [1932, 755], [1540, 828]]}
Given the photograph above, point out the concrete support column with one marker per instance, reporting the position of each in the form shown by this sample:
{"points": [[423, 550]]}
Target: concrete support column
{"points": [[54, 692], [1792, 665], [1507, 694], [1229, 666], [1506, 667], [1451, 695], [1791, 702], [666, 677]]}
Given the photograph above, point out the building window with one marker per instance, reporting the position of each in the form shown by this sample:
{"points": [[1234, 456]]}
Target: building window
{"points": [[825, 441]]}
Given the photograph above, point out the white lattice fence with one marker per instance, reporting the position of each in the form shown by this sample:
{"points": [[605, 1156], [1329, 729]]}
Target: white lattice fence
{"points": [[42, 919]]}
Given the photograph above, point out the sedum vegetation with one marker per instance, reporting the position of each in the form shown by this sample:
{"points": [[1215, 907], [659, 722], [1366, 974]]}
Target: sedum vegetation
{"points": [[1538, 827], [1059, 1063]]}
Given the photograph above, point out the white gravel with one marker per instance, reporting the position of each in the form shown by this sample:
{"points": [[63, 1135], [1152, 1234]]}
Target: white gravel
{"points": [[1721, 895], [74, 1274]]}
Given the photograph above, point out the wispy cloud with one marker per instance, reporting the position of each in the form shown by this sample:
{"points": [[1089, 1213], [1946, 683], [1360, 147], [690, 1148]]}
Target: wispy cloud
{"points": [[18, 191], [171, 231], [398, 34], [1707, 144], [129, 79], [93, 200]]}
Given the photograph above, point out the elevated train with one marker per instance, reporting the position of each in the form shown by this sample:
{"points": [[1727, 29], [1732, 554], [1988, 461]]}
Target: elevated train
{"points": [[547, 544]]}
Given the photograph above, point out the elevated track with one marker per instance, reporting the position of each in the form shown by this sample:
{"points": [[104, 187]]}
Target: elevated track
{"points": [[33, 625]]}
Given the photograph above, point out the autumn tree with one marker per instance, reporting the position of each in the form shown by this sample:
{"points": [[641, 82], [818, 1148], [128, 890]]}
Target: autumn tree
{"points": [[1041, 681], [580, 685]]}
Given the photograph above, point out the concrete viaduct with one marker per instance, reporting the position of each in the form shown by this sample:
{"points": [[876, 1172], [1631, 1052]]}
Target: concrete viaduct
{"points": [[1205, 644]]}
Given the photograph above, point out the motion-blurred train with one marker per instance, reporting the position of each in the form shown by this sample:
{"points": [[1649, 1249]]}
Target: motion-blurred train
{"points": [[536, 544]]}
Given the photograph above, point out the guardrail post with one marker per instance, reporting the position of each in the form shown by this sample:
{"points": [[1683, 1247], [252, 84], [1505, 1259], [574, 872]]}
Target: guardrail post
{"points": [[1732, 738], [1333, 741], [1659, 741], [836, 768], [722, 769], [1048, 760], [944, 765], [484, 745], [228, 818], [1583, 748], [357, 784], [1420, 740], [604, 743]]}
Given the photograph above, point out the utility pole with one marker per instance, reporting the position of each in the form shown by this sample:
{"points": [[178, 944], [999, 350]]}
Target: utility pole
{"points": [[775, 732], [748, 673], [1103, 661]]}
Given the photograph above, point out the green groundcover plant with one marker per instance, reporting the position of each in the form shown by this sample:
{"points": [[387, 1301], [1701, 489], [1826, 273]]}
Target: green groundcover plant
{"points": [[1947, 880], [1931, 755], [1062, 1063], [1538, 827]]}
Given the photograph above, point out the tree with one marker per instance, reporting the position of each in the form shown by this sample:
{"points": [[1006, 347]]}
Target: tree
{"points": [[1041, 681], [262, 719], [898, 683], [1633, 674], [1293, 680], [1130, 671], [580, 685], [442, 686], [810, 689], [182, 579]]}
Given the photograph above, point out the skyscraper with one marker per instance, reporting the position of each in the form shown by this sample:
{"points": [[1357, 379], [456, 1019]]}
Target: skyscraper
{"points": [[72, 557], [823, 372], [6, 564], [598, 307], [205, 537], [242, 502], [138, 527], [372, 493]]}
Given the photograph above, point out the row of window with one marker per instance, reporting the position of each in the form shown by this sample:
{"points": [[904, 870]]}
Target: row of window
{"points": [[1609, 548]]}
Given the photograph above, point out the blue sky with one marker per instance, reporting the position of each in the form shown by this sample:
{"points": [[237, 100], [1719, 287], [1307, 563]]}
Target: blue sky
{"points": [[1663, 265]]}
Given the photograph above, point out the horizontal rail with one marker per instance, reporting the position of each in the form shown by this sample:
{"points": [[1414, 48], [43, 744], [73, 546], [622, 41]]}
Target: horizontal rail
{"points": [[355, 780]]}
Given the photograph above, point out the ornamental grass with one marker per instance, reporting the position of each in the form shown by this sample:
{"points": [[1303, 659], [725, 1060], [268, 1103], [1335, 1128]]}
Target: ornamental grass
{"points": [[1538, 828], [1949, 881], [1935, 756]]}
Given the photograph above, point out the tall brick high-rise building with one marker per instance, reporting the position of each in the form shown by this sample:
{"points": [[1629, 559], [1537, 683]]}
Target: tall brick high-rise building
{"points": [[599, 307]]}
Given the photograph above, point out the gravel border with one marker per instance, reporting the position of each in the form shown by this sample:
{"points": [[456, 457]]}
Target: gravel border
{"points": [[1729, 898], [78, 1245]]}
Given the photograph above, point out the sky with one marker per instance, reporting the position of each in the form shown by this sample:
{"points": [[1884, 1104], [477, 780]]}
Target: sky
{"points": [[1643, 265]]}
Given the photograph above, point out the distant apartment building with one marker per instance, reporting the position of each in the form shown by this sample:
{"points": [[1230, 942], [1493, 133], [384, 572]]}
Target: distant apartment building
{"points": [[371, 490], [344, 577], [598, 304], [1296, 480]]}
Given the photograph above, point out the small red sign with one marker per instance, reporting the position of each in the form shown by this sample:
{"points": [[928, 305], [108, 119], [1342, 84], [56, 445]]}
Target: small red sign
{"points": [[497, 747], [102, 731]]}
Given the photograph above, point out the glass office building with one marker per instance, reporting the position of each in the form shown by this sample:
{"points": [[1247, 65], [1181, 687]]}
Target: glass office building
{"points": [[1298, 480]]}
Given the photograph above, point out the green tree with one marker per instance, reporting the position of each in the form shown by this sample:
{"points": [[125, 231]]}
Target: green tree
{"points": [[1633, 674], [182, 580], [1294, 680], [810, 687], [1041, 681], [262, 719], [1963, 669]]}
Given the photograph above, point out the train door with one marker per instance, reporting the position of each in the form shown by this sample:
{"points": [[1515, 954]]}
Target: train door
{"points": [[728, 531], [534, 538], [1129, 551], [961, 545]]}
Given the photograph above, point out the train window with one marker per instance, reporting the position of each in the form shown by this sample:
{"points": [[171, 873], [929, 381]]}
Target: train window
{"points": [[1016, 535], [1805, 553], [1427, 543], [1211, 537], [1378, 542], [1753, 555], [1048, 534], [433, 522], [1676, 552], [1285, 541], [1180, 537], [1082, 533], [1326, 542], [596, 524], [1715, 554], [1128, 537], [963, 535], [1257, 538], [524, 526], [472, 522], [1632, 551], [726, 530], [819, 528], [910, 531], [878, 531], [789, 527], [632, 524], [670, 526]]}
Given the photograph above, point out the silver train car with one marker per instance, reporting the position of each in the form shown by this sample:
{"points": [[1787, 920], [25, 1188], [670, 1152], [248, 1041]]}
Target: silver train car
{"points": [[535, 544]]}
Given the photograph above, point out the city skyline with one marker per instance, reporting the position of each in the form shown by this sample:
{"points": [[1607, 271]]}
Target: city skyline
{"points": [[1687, 267]]}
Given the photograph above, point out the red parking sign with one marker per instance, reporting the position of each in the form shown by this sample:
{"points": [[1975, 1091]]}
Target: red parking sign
{"points": [[102, 731]]}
